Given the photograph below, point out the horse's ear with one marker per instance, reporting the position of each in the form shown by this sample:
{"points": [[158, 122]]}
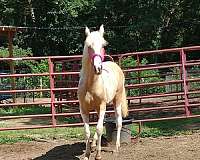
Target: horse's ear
{"points": [[101, 30], [105, 43], [87, 31]]}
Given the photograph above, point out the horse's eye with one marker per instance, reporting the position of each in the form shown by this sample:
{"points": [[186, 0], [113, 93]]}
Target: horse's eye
{"points": [[90, 46]]}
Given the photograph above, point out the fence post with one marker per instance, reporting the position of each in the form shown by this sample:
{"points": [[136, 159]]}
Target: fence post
{"points": [[51, 78], [185, 84], [120, 64], [12, 63], [139, 77]]}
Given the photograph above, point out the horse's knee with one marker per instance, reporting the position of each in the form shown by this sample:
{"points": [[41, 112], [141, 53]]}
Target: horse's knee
{"points": [[118, 117], [118, 110], [87, 135], [87, 132], [119, 123], [99, 130]]}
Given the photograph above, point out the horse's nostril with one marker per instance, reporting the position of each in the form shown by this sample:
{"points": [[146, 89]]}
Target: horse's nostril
{"points": [[100, 69]]}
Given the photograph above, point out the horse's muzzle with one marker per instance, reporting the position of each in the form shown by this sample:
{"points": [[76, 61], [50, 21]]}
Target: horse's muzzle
{"points": [[98, 69]]}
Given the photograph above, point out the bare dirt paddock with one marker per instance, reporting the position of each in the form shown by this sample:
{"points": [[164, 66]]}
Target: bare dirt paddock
{"points": [[164, 148]]}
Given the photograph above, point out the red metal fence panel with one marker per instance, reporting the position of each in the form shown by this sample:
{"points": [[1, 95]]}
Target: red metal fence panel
{"points": [[155, 91]]}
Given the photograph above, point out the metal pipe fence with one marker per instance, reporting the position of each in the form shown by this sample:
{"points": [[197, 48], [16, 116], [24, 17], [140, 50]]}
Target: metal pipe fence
{"points": [[150, 95]]}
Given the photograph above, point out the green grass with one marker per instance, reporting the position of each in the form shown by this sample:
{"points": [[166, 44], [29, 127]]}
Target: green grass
{"points": [[11, 140], [150, 129], [168, 128], [15, 111], [42, 134]]}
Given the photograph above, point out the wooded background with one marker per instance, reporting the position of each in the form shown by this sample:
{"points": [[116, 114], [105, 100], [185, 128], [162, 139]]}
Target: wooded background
{"points": [[130, 25]]}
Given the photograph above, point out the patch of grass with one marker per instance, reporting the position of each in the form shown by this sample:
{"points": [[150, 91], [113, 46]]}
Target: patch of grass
{"points": [[32, 110], [43, 134], [12, 140], [167, 128], [68, 119], [15, 111], [150, 129]]}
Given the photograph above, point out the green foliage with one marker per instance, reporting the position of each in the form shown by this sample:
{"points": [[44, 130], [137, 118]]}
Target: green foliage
{"points": [[35, 81], [131, 25], [129, 62], [17, 52], [145, 76], [75, 7], [26, 66], [4, 52]]}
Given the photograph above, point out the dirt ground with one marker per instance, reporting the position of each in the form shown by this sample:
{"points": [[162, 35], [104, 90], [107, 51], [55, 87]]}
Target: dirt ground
{"points": [[163, 148]]}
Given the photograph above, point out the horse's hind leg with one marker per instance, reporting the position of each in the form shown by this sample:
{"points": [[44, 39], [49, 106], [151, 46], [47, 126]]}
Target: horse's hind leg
{"points": [[118, 115], [85, 118]]}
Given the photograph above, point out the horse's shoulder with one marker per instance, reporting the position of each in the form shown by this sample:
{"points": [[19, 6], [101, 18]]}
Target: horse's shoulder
{"points": [[112, 66]]}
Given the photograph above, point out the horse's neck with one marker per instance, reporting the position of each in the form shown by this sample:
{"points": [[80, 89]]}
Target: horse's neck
{"points": [[85, 62]]}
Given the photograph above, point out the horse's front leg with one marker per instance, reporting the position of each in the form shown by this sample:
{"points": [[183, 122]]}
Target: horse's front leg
{"points": [[94, 142], [85, 118], [99, 131]]}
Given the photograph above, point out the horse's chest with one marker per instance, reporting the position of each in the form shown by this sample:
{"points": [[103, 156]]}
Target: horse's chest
{"points": [[94, 98]]}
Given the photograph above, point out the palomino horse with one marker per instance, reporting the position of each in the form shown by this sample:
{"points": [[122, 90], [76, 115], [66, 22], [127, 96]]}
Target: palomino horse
{"points": [[100, 83]]}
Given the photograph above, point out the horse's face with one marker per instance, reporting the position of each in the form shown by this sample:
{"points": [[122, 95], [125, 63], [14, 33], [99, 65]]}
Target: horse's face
{"points": [[95, 43]]}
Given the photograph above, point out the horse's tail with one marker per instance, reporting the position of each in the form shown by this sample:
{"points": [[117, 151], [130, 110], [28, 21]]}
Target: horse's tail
{"points": [[124, 104]]}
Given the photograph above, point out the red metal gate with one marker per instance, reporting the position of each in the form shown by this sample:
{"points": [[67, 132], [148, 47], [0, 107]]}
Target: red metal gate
{"points": [[156, 91]]}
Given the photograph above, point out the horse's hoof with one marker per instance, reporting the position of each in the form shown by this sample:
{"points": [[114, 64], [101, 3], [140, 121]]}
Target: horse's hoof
{"points": [[116, 150], [93, 148], [87, 156], [98, 158], [98, 155]]}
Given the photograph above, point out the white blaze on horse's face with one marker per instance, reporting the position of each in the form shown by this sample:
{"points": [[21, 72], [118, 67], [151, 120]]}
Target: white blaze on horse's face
{"points": [[97, 62], [95, 43]]}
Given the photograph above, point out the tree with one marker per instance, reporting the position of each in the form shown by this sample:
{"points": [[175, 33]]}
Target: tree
{"points": [[131, 25]]}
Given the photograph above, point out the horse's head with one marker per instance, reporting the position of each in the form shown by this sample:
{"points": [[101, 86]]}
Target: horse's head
{"points": [[95, 43]]}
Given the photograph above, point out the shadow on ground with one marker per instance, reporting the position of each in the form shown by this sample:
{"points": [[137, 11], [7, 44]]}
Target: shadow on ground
{"points": [[64, 152]]}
